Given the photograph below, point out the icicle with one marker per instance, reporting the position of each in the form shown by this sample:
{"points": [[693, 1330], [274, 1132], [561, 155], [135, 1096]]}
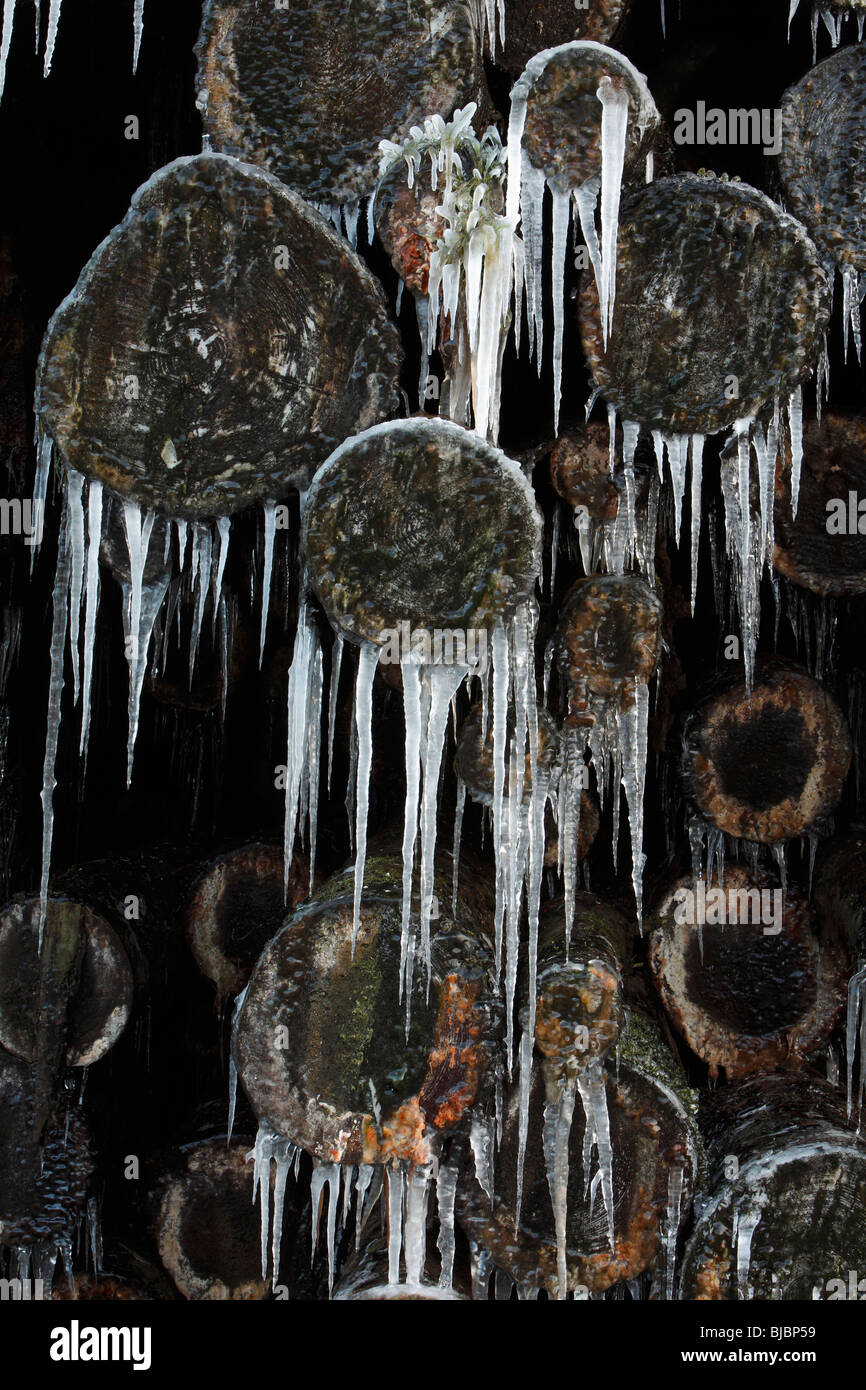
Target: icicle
{"points": [[91, 598], [791, 12], [224, 533], [632, 727], [51, 36], [394, 1178], [44, 452], [138, 27], [561, 209], [458, 830], [501, 682], [6, 40], [415, 1224], [744, 1230], [306, 660], [141, 606], [336, 662], [664, 18], [481, 1142], [413, 741], [368, 659], [672, 1226], [233, 1071], [74, 488], [443, 681], [856, 987], [851, 309], [314, 756], [203, 553], [593, 1095], [55, 695], [446, 1188], [270, 511], [795, 421], [614, 126], [556, 1135], [697, 455]]}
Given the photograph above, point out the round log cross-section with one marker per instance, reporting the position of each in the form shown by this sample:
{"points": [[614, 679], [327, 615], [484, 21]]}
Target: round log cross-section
{"points": [[420, 522], [220, 299], [786, 1177], [82, 990], [321, 1042], [713, 282], [819, 549], [743, 974], [822, 160], [308, 90], [651, 1113], [208, 1231], [562, 131], [236, 906], [609, 634], [768, 768], [533, 25]]}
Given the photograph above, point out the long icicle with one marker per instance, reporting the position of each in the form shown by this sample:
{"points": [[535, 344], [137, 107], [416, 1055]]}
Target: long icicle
{"points": [[55, 696], [91, 593], [368, 659]]}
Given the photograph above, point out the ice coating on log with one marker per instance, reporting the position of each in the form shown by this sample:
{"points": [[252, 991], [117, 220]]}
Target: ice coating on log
{"points": [[270, 314]]}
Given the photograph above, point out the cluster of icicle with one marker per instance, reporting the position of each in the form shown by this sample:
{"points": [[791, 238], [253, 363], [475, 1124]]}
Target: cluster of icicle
{"points": [[51, 34], [403, 1190], [470, 276], [200, 551], [832, 19], [525, 203]]}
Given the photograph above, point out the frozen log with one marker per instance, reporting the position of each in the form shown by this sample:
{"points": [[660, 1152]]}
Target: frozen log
{"points": [[562, 130], [533, 25], [69, 1003], [653, 1133], [770, 767], [321, 1043], [580, 472], [153, 367], [608, 635], [743, 972], [785, 1176], [822, 161], [579, 999], [823, 548], [463, 535], [721, 304], [308, 93], [236, 905], [207, 1229]]}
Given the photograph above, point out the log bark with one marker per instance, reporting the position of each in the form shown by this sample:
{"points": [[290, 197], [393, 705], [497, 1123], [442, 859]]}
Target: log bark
{"points": [[822, 160], [562, 133], [153, 366], [748, 988], [805, 550], [652, 1116], [321, 1043], [772, 767], [533, 25], [463, 533], [785, 1176], [713, 281], [235, 907], [208, 1231], [309, 93]]}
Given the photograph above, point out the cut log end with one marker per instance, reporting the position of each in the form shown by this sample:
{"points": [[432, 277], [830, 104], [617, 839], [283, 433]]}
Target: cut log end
{"points": [[822, 548], [609, 635]]}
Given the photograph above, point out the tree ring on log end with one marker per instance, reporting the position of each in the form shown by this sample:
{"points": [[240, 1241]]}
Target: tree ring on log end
{"points": [[834, 465], [321, 1044], [721, 304], [533, 25], [101, 1003], [422, 522], [750, 989], [218, 345], [609, 634], [768, 768], [562, 130], [823, 156], [309, 92]]}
